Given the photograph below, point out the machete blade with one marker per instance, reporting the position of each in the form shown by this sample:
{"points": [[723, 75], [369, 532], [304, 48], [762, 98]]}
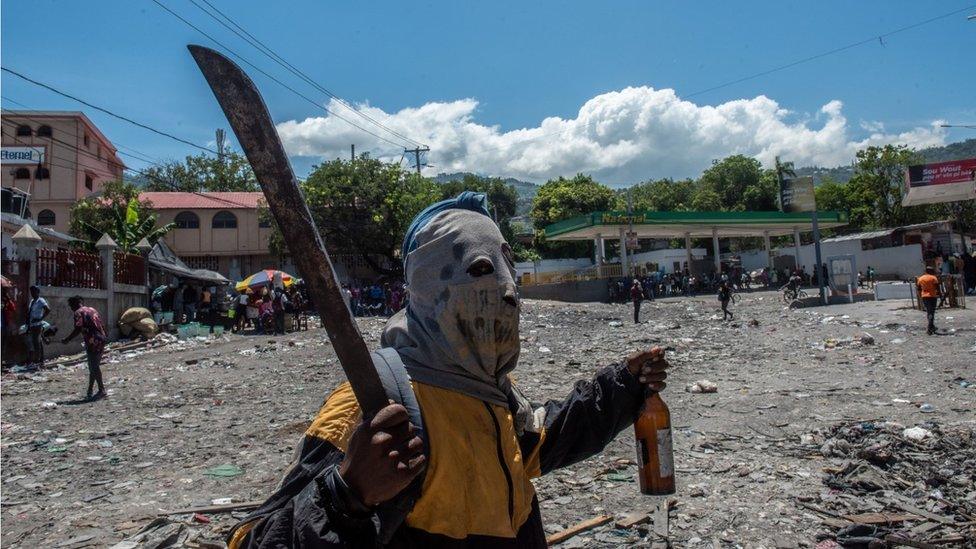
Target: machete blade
{"points": [[249, 118]]}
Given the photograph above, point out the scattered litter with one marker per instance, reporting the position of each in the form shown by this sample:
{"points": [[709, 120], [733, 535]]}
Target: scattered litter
{"points": [[226, 470], [702, 386], [916, 433]]}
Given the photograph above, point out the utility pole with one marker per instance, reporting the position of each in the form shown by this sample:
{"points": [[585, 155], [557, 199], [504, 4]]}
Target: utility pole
{"points": [[817, 268], [630, 230], [416, 152], [352, 151]]}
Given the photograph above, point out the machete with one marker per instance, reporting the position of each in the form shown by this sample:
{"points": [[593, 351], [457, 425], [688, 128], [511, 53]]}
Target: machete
{"points": [[251, 122]]}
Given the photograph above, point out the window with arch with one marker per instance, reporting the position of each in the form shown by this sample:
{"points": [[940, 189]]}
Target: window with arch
{"points": [[24, 130], [224, 220], [22, 173], [46, 218], [42, 173], [187, 220], [44, 131], [89, 182]]}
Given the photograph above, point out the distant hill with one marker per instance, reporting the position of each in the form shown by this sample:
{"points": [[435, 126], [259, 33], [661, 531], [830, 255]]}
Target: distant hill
{"points": [[525, 189], [952, 151]]}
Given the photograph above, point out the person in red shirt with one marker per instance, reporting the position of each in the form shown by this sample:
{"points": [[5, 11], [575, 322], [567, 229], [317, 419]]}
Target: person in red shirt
{"points": [[89, 323], [928, 291]]}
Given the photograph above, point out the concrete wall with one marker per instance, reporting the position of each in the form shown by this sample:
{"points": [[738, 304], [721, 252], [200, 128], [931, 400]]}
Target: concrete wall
{"points": [[667, 257], [898, 262], [126, 296], [62, 316], [575, 292], [247, 239], [552, 266]]}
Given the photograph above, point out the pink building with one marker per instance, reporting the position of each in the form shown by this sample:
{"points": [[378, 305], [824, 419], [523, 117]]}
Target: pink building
{"points": [[55, 158]]}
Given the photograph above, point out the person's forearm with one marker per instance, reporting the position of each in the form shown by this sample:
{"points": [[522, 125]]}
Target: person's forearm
{"points": [[590, 417], [72, 335]]}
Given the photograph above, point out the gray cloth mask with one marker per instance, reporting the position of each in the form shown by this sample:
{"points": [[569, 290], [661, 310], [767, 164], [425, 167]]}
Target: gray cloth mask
{"points": [[459, 331]]}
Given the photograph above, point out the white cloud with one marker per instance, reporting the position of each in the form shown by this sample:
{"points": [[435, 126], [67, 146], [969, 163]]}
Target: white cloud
{"points": [[621, 137]]}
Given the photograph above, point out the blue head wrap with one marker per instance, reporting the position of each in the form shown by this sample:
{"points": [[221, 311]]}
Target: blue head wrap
{"points": [[467, 200]]}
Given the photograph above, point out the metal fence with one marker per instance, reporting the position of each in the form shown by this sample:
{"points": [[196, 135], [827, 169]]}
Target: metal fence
{"points": [[129, 269], [69, 269]]}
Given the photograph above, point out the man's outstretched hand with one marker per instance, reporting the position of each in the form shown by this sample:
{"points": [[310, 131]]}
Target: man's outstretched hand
{"points": [[649, 367], [383, 456]]}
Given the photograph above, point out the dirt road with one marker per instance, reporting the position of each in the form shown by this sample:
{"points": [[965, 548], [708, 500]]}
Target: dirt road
{"points": [[747, 456]]}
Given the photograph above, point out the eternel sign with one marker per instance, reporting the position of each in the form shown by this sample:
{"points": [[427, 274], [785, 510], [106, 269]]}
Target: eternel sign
{"points": [[22, 155]]}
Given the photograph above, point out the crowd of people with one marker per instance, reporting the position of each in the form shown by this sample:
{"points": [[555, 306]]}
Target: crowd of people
{"points": [[375, 299], [657, 284]]}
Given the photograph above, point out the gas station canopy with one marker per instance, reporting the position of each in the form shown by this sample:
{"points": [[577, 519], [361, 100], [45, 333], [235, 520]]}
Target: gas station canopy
{"points": [[689, 224]]}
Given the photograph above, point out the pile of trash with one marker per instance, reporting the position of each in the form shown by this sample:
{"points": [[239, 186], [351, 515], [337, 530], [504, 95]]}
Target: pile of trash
{"points": [[889, 485]]}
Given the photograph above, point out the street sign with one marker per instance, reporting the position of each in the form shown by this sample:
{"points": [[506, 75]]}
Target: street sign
{"points": [[22, 155], [796, 195], [632, 243]]}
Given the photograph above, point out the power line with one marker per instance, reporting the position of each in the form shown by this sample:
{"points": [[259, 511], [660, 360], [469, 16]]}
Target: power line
{"points": [[106, 111], [769, 71], [274, 56], [272, 78], [138, 155], [830, 52]]}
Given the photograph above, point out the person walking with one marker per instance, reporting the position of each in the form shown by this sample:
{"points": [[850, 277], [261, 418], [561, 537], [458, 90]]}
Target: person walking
{"points": [[928, 291], [278, 304], [724, 296], [89, 324], [240, 310], [636, 295], [37, 311]]}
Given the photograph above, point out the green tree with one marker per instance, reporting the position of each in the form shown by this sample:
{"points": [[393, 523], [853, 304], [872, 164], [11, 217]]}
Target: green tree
{"points": [[118, 212], [761, 197], [662, 195], [729, 179], [563, 198], [363, 207], [228, 171], [876, 187], [171, 176], [831, 195]]}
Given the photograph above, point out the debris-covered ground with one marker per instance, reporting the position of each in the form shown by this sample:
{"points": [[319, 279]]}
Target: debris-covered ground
{"points": [[822, 419]]}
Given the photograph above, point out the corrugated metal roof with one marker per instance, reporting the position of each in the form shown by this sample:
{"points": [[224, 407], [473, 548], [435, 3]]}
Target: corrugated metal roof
{"points": [[202, 200], [860, 236]]}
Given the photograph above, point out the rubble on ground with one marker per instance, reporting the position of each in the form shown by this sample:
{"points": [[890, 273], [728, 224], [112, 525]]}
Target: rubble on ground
{"points": [[200, 429], [885, 482]]}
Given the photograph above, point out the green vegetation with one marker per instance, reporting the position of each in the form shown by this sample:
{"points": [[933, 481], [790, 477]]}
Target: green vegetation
{"points": [[228, 171], [119, 213]]}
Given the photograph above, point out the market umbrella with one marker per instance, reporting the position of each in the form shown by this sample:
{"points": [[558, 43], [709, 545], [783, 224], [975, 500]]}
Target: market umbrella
{"points": [[262, 278]]}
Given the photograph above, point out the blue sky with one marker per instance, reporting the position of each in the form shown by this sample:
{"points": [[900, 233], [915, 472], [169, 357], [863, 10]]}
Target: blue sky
{"points": [[462, 76]]}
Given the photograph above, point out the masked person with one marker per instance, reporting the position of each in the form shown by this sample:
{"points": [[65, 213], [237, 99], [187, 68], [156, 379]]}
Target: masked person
{"points": [[465, 478]]}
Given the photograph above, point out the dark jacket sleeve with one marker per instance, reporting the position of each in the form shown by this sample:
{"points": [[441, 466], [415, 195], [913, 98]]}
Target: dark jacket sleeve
{"points": [[590, 417], [313, 509]]}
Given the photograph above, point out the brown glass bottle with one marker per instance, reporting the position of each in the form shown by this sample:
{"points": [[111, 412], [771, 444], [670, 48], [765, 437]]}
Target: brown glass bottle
{"points": [[655, 457]]}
